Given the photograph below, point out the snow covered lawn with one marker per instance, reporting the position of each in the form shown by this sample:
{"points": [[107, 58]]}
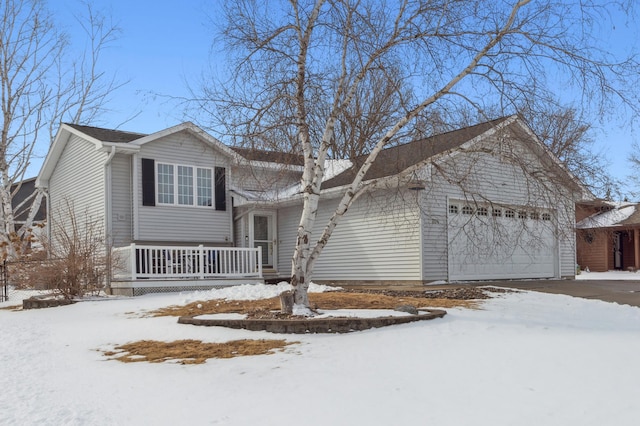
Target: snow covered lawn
{"points": [[609, 275], [524, 359]]}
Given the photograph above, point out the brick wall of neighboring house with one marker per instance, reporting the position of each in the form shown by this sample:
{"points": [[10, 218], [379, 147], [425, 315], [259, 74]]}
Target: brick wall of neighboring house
{"points": [[594, 250]]}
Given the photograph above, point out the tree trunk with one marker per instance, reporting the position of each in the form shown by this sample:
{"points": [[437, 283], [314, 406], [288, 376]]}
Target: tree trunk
{"points": [[300, 291]]}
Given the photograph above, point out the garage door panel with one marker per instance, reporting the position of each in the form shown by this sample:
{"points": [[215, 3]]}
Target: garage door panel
{"points": [[483, 248]]}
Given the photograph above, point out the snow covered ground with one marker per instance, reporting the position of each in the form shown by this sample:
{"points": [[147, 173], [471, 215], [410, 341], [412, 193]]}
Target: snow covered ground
{"points": [[609, 275], [526, 358]]}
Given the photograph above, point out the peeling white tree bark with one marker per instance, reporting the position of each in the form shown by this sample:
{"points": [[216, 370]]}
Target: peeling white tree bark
{"points": [[306, 255]]}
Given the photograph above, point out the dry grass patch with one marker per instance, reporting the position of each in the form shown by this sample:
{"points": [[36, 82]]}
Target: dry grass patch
{"points": [[192, 351], [327, 300], [11, 308]]}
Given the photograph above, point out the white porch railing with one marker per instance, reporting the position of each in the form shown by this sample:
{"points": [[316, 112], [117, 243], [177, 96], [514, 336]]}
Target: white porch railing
{"points": [[196, 262]]}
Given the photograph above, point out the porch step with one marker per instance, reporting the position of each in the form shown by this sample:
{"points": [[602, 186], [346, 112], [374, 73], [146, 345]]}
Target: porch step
{"points": [[271, 276]]}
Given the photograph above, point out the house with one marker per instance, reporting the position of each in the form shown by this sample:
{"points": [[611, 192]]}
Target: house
{"points": [[608, 235], [186, 211], [21, 202], [23, 197]]}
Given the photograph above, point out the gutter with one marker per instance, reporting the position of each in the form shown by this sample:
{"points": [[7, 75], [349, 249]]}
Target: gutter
{"points": [[107, 207]]}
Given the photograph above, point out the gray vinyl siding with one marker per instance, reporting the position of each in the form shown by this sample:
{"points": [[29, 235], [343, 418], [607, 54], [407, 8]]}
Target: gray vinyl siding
{"points": [[241, 227], [183, 224], [377, 239], [434, 233], [488, 178], [78, 182], [567, 239], [121, 201]]}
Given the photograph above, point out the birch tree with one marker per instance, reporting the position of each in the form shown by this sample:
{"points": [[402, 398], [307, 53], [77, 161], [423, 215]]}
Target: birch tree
{"points": [[43, 82], [302, 68]]}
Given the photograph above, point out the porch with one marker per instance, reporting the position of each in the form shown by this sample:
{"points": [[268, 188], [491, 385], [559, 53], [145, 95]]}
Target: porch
{"points": [[606, 249], [140, 269]]}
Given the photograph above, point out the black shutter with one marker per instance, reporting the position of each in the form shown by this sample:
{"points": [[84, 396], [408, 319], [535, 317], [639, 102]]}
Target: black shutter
{"points": [[220, 188], [148, 182]]}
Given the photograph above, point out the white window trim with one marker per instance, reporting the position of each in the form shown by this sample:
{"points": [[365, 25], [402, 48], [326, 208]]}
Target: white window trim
{"points": [[194, 185]]}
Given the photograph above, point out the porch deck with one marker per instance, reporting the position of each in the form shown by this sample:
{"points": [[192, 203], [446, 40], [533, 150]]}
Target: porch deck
{"points": [[144, 269]]}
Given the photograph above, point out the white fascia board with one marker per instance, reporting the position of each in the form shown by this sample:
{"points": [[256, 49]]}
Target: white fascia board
{"points": [[57, 147], [481, 137], [586, 193]]}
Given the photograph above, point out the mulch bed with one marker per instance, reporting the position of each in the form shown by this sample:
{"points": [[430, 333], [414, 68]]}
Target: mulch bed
{"points": [[466, 297]]}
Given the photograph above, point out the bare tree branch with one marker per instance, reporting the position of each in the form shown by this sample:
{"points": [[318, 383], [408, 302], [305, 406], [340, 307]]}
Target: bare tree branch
{"points": [[42, 84]]}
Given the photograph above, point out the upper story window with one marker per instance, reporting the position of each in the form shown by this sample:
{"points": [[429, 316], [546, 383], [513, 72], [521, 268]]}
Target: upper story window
{"points": [[496, 212], [482, 211], [205, 190], [184, 185], [467, 210], [165, 184], [453, 209]]}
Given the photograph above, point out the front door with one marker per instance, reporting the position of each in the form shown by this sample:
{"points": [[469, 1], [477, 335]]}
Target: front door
{"points": [[263, 236], [617, 250]]}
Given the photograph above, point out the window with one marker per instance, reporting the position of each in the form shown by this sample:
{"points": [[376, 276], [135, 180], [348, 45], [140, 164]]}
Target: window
{"points": [[482, 211], [496, 212], [546, 216], [185, 185], [522, 214], [165, 184], [453, 209], [467, 210], [205, 191], [180, 185], [509, 213], [535, 215]]}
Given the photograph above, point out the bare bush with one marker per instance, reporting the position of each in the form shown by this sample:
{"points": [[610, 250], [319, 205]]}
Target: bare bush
{"points": [[78, 260]]}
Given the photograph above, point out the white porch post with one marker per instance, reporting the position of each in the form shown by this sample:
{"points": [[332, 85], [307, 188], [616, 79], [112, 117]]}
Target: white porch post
{"points": [[201, 261], [132, 257]]}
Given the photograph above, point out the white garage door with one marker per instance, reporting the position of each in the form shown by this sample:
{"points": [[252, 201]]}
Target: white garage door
{"points": [[500, 243]]}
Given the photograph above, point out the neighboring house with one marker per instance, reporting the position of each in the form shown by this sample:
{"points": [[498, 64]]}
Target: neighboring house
{"points": [[186, 211], [608, 235], [22, 201]]}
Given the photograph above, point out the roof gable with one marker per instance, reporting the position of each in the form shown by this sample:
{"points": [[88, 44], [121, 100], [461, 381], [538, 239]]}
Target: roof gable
{"points": [[394, 160], [192, 129]]}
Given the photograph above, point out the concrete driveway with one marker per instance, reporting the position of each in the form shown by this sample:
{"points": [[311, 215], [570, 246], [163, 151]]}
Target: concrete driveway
{"points": [[622, 292]]}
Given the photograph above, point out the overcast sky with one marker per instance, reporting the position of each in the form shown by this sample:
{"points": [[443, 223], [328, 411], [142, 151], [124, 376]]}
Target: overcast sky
{"points": [[164, 44]]}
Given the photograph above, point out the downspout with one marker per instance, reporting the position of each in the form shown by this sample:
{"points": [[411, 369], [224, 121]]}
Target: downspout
{"points": [[108, 215]]}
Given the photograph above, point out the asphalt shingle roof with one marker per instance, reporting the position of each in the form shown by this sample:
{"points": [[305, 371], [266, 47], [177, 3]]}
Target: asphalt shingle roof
{"points": [[107, 135], [394, 160], [270, 156]]}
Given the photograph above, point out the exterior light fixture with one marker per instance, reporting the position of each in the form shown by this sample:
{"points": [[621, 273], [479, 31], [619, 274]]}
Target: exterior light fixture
{"points": [[416, 185]]}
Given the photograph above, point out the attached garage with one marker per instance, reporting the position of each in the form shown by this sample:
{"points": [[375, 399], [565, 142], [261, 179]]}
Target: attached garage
{"points": [[489, 242]]}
